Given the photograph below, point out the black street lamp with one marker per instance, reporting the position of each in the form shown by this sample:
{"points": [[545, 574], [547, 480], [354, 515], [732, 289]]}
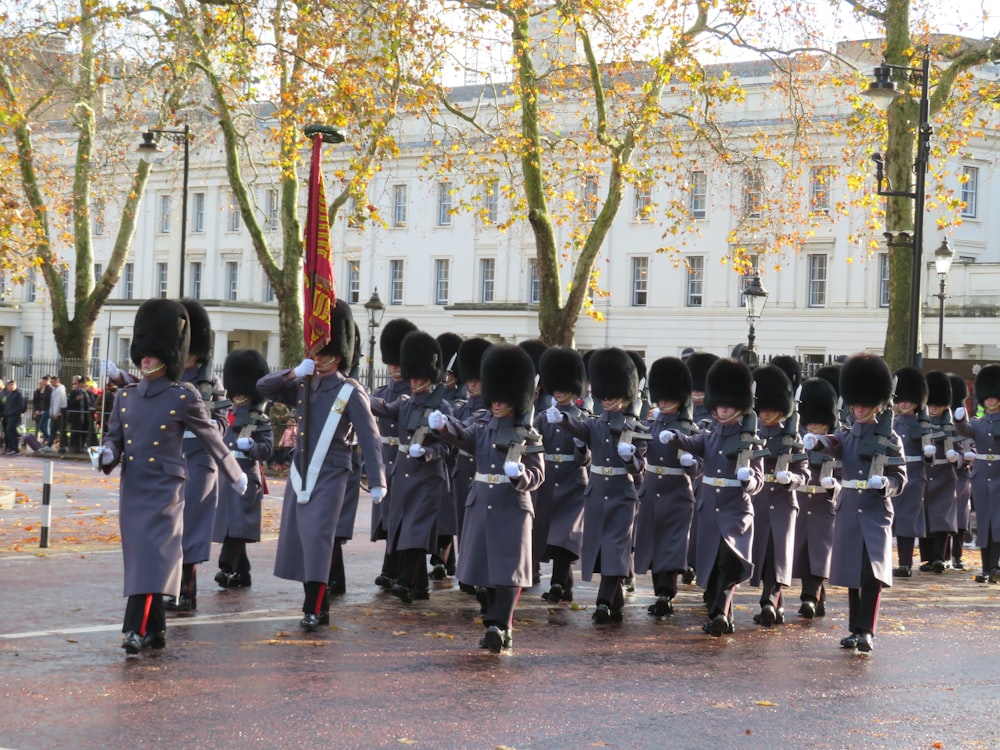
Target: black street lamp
{"points": [[180, 137], [943, 257], [882, 90], [376, 309], [755, 298]]}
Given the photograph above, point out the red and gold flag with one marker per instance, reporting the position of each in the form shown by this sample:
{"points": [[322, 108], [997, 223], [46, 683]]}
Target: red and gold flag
{"points": [[320, 294]]}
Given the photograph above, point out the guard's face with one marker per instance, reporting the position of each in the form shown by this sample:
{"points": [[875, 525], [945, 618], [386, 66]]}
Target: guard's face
{"points": [[770, 417], [698, 397], [612, 404], [864, 414], [905, 407], [395, 372], [816, 428], [152, 367], [419, 385], [562, 397], [934, 410], [327, 364], [668, 407], [473, 387], [500, 409], [726, 414], [992, 405]]}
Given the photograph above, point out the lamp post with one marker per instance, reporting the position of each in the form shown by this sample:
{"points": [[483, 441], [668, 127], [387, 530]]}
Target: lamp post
{"points": [[755, 298], [943, 257], [181, 137], [882, 89], [376, 309]]}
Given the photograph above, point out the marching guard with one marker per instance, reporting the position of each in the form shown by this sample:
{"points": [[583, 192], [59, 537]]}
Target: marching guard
{"points": [[908, 521]]}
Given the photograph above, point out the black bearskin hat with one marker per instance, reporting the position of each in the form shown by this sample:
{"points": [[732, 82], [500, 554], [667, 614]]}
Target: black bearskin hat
{"points": [[613, 375], [561, 369], [831, 374], [420, 357], [790, 366], [356, 357], [470, 358], [699, 363], [911, 385], [534, 348], [201, 330], [242, 370], [988, 383], [162, 330], [343, 335], [669, 380], [818, 403], [729, 382], [640, 364], [449, 343], [508, 377], [959, 390], [774, 390], [938, 388], [392, 338], [865, 380]]}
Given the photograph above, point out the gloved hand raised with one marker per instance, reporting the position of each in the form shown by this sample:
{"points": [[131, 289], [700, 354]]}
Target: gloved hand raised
{"points": [[810, 442], [417, 450], [513, 469], [109, 370], [686, 460], [877, 482], [436, 420], [744, 473], [626, 450], [783, 477], [960, 414], [552, 414], [827, 483], [654, 415], [667, 436], [244, 443], [305, 368]]}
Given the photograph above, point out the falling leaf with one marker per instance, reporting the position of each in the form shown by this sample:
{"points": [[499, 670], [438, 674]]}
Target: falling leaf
{"points": [[766, 703], [440, 635], [405, 741], [399, 632]]}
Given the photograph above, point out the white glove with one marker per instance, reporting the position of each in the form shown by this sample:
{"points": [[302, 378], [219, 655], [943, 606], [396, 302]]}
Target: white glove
{"points": [[244, 443], [930, 450], [513, 469], [417, 450], [827, 482], [655, 414], [667, 436], [626, 450], [240, 485], [436, 420], [378, 494], [109, 370], [579, 443], [953, 456], [743, 473], [810, 441], [552, 414], [107, 456], [686, 460], [959, 414], [305, 368], [783, 477], [877, 482], [969, 456]]}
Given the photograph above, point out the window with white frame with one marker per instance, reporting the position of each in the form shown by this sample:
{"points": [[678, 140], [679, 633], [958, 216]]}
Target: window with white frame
{"points": [[491, 200], [970, 191], [124, 349], [98, 272], [234, 221], [817, 279], [31, 290], [232, 280], [591, 205], [694, 291], [29, 346], [753, 192], [164, 213], [198, 213], [194, 279], [442, 278], [161, 280], [642, 209], [128, 281], [883, 279], [399, 205], [698, 194], [97, 212], [95, 349], [640, 280], [354, 281], [353, 207], [487, 279], [819, 189], [396, 267], [268, 289], [444, 204], [271, 208], [534, 282]]}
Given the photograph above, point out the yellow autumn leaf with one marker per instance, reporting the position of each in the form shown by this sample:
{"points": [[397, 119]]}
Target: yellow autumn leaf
{"points": [[766, 703]]}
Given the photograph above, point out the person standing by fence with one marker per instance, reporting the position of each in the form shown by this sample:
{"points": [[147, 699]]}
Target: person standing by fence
{"points": [[57, 413], [40, 409], [13, 413]]}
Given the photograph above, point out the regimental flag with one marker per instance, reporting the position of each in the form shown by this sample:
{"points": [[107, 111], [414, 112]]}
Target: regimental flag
{"points": [[320, 294]]}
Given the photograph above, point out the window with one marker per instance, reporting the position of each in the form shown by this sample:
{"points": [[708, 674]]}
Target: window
{"points": [[590, 199], [234, 220], [491, 200], [97, 212], [819, 189], [124, 350], [232, 280], [487, 279], [95, 351], [268, 289], [642, 209], [753, 193], [444, 204], [883, 279], [128, 281], [395, 282], [29, 346], [698, 194], [399, 205], [198, 218], [164, 214], [534, 283], [271, 210], [31, 291], [442, 273], [354, 281], [64, 278], [194, 280], [98, 272], [640, 280], [353, 207], [695, 293], [970, 191], [161, 280], [817, 280]]}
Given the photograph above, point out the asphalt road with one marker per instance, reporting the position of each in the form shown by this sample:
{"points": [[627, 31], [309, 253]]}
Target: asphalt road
{"points": [[240, 673]]}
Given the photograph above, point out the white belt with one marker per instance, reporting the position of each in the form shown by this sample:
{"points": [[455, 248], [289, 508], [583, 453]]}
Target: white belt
{"points": [[559, 457], [940, 461], [390, 440], [912, 459], [491, 478], [720, 482], [988, 456], [855, 484], [608, 471], [813, 489], [189, 434], [664, 470], [241, 454]]}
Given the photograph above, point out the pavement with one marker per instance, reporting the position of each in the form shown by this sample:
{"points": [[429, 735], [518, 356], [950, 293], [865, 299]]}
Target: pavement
{"points": [[240, 672]]}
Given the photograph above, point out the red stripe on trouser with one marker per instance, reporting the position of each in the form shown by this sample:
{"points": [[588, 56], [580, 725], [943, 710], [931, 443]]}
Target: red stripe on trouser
{"points": [[145, 614], [319, 598]]}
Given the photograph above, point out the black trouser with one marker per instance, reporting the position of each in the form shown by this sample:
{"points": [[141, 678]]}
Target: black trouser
{"points": [[934, 546], [665, 584], [316, 601], [413, 569], [863, 602], [189, 580], [145, 613], [233, 556], [562, 567], [610, 592], [11, 436], [904, 549], [990, 554], [500, 603], [813, 589], [338, 577], [722, 581], [770, 588]]}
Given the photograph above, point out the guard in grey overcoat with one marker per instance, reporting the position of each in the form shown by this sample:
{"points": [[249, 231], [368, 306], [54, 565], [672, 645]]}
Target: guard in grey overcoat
{"points": [[732, 474], [985, 434], [397, 387], [559, 501], [146, 435], [819, 414], [312, 504], [420, 472], [873, 473], [617, 465], [963, 475], [442, 560], [250, 438], [201, 491], [496, 535], [666, 499], [776, 506], [910, 423], [940, 501], [698, 364]]}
